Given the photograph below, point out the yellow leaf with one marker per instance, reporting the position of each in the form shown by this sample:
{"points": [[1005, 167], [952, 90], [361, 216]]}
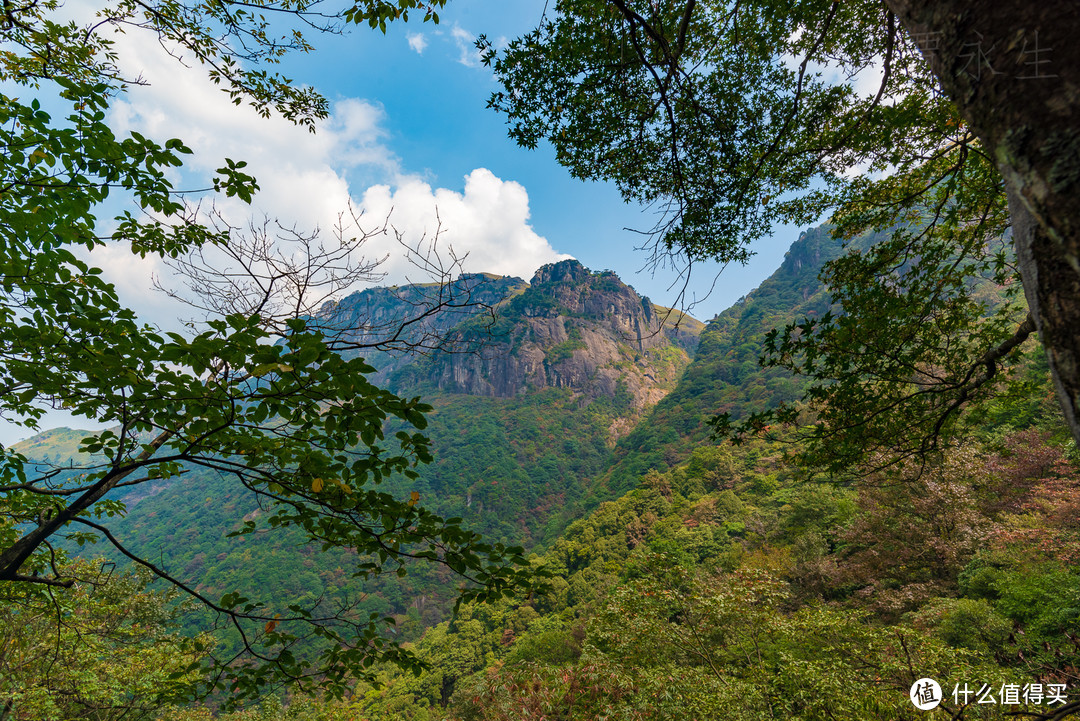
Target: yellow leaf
{"points": [[270, 626], [317, 485], [414, 498]]}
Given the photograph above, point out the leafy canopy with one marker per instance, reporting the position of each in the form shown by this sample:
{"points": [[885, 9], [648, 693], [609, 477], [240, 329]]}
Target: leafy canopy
{"points": [[268, 403], [730, 117], [106, 648]]}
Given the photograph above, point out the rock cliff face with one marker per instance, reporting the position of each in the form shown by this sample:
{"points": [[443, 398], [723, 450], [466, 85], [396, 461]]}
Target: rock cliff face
{"points": [[420, 316], [571, 328], [500, 337]]}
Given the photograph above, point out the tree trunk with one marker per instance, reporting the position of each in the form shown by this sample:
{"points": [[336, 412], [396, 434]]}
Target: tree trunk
{"points": [[1012, 67], [1052, 288]]}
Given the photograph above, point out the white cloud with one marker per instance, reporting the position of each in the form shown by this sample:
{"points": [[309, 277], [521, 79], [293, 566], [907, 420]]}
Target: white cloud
{"points": [[304, 178], [301, 175], [417, 42], [468, 54], [489, 221]]}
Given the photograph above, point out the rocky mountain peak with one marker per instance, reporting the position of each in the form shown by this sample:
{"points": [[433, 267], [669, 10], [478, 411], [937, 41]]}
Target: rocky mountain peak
{"points": [[565, 271], [571, 328]]}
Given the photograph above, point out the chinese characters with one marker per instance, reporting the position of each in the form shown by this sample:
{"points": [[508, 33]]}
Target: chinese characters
{"points": [[980, 58]]}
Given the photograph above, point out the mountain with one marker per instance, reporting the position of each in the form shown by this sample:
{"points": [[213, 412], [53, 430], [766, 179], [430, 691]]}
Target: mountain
{"points": [[431, 310], [725, 375], [498, 336], [532, 387], [549, 398], [573, 329]]}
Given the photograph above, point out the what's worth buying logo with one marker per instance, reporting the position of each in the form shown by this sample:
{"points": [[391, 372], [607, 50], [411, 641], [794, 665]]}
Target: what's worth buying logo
{"points": [[926, 694]]}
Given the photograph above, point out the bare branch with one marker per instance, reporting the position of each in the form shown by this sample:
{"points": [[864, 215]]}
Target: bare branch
{"points": [[284, 274]]}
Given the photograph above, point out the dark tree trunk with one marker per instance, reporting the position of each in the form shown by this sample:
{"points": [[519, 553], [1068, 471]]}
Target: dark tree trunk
{"points": [[1052, 288], [1013, 69]]}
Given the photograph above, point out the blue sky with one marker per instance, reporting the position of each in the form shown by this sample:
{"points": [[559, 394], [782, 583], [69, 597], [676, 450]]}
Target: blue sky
{"points": [[409, 131], [586, 220]]}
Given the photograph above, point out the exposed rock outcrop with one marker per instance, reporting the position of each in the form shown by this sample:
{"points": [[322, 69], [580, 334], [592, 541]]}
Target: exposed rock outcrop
{"points": [[575, 329]]}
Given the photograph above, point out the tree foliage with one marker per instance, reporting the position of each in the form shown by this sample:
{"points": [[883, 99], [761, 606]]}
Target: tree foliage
{"points": [[106, 649], [262, 398], [732, 117], [719, 112], [727, 587]]}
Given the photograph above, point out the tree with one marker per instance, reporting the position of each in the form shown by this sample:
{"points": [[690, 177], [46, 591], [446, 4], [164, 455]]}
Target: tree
{"points": [[106, 649], [680, 643], [730, 117], [257, 392]]}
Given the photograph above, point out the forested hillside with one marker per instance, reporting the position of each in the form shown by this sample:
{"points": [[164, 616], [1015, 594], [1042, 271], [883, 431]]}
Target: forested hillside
{"points": [[725, 375], [530, 394], [694, 552], [721, 589], [726, 585]]}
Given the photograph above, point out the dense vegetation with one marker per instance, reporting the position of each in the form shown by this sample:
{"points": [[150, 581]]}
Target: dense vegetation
{"points": [[726, 375], [726, 588], [497, 465], [844, 592]]}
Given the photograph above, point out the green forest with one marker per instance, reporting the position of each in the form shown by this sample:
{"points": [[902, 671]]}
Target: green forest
{"points": [[852, 494]]}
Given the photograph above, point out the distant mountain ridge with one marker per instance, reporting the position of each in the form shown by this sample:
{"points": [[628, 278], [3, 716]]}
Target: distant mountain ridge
{"points": [[725, 375], [419, 314], [570, 328], [499, 336]]}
